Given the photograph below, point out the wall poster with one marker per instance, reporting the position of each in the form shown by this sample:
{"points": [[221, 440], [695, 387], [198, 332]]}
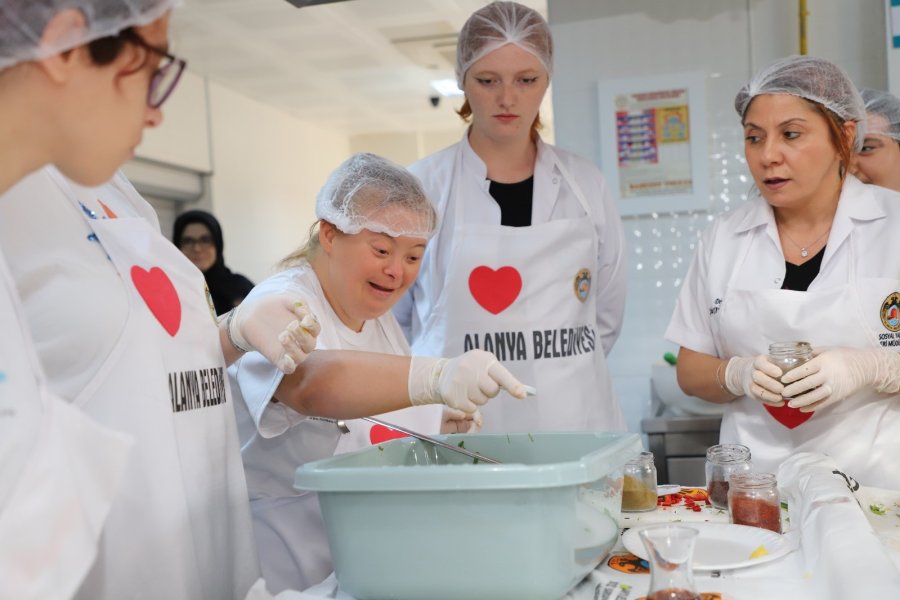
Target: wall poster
{"points": [[653, 142]]}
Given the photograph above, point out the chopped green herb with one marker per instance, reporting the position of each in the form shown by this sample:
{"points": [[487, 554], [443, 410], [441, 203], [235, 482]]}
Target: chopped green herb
{"points": [[878, 509], [530, 437], [381, 448], [462, 444], [784, 505]]}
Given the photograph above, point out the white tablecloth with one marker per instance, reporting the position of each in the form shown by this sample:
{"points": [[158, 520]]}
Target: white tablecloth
{"points": [[848, 547]]}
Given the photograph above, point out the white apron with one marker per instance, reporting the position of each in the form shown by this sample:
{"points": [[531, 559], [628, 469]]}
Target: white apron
{"points": [[524, 294], [181, 526], [859, 432], [59, 471], [290, 531]]}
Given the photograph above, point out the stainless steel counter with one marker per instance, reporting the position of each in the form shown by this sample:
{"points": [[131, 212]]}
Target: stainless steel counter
{"points": [[679, 446]]}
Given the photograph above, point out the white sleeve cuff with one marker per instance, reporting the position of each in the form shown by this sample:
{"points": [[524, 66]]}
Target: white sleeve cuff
{"points": [[258, 379]]}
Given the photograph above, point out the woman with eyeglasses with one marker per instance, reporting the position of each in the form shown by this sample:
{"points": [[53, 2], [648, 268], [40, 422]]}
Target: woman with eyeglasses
{"points": [[122, 330], [199, 236]]}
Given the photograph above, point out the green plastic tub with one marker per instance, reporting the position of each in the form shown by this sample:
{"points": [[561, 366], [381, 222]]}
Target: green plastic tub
{"points": [[407, 520]]}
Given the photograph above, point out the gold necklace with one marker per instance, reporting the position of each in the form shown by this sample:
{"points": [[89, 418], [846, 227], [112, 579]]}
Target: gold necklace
{"points": [[804, 250]]}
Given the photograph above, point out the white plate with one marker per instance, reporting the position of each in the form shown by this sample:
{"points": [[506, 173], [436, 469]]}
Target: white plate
{"points": [[721, 546], [669, 488]]}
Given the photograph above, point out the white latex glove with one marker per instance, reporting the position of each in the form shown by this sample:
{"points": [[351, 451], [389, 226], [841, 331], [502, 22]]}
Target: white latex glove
{"points": [[456, 421], [277, 326], [464, 383], [836, 373], [756, 377]]}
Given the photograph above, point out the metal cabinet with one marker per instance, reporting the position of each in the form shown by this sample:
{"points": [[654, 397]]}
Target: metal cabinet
{"points": [[679, 446]]}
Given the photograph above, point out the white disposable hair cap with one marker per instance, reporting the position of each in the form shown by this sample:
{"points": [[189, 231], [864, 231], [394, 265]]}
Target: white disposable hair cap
{"points": [[370, 192], [887, 106], [22, 24], [810, 78], [498, 24]]}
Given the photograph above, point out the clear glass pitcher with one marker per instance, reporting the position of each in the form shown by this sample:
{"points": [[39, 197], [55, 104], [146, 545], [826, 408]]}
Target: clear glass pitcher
{"points": [[671, 551]]}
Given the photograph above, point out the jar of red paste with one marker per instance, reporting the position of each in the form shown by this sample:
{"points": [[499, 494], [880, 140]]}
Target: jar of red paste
{"points": [[753, 500]]}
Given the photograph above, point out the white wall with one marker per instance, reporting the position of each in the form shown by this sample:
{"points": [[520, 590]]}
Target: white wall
{"points": [[183, 137], [267, 168], [728, 40], [263, 168]]}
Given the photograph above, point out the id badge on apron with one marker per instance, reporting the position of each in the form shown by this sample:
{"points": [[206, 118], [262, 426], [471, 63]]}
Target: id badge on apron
{"points": [[749, 320], [525, 295], [165, 383]]}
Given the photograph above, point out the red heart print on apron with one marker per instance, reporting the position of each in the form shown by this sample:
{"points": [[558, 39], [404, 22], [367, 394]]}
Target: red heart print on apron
{"points": [[789, 417], [159, 295], [380, 433], [494, 290]]}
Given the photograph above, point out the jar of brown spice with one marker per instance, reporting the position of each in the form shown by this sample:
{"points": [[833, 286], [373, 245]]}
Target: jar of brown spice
{"points": [[722, 461]]}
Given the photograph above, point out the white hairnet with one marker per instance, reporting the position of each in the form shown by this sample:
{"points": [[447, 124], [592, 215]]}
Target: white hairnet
{"points": [[887, 106], [810, 78], [498, 24], [22, 24], [370, 192]]}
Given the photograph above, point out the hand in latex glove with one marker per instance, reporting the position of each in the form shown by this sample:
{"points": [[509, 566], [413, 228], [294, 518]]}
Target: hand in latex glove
{"points": [[456, 421], [836, 373], [464, 383], [277, 326], [755, 377]]}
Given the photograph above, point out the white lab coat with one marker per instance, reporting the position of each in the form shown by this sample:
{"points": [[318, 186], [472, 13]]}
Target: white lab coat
{"points": [[731, 304], [275, 439], [569, 191], [180, 525]]}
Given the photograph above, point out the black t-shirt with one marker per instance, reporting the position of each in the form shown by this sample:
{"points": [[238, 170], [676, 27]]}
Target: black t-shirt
{"points": [[515, 200], [799, 277]]}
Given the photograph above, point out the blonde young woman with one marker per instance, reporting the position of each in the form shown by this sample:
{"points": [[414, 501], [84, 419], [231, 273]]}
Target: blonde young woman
{"points": [[812, 256], [529, 260]]}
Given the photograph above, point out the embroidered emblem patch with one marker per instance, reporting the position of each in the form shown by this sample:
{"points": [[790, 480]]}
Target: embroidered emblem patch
{"points": [[890, 312], [209, 301], [582, 285]]}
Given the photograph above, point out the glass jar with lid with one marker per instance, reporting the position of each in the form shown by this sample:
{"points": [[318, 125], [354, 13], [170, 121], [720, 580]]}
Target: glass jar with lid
{"points": [[639, 488], [722, 461], [753, 500], [788, 355]]}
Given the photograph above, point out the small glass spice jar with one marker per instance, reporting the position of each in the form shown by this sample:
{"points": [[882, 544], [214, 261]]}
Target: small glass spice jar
{"points": [[753, 500], [722, 461], [639, 488], [788, 355]]}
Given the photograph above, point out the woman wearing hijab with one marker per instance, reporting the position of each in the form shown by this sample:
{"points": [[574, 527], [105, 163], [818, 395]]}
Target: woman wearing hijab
{"points": [[198, 234]]}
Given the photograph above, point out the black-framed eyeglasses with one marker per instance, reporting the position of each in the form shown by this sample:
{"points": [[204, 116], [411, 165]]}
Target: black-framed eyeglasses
{"points": [[202, 242], [166, 77]]}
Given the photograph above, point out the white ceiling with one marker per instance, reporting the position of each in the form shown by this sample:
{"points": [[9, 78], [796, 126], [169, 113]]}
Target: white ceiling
{"points": [[357, 66]]}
